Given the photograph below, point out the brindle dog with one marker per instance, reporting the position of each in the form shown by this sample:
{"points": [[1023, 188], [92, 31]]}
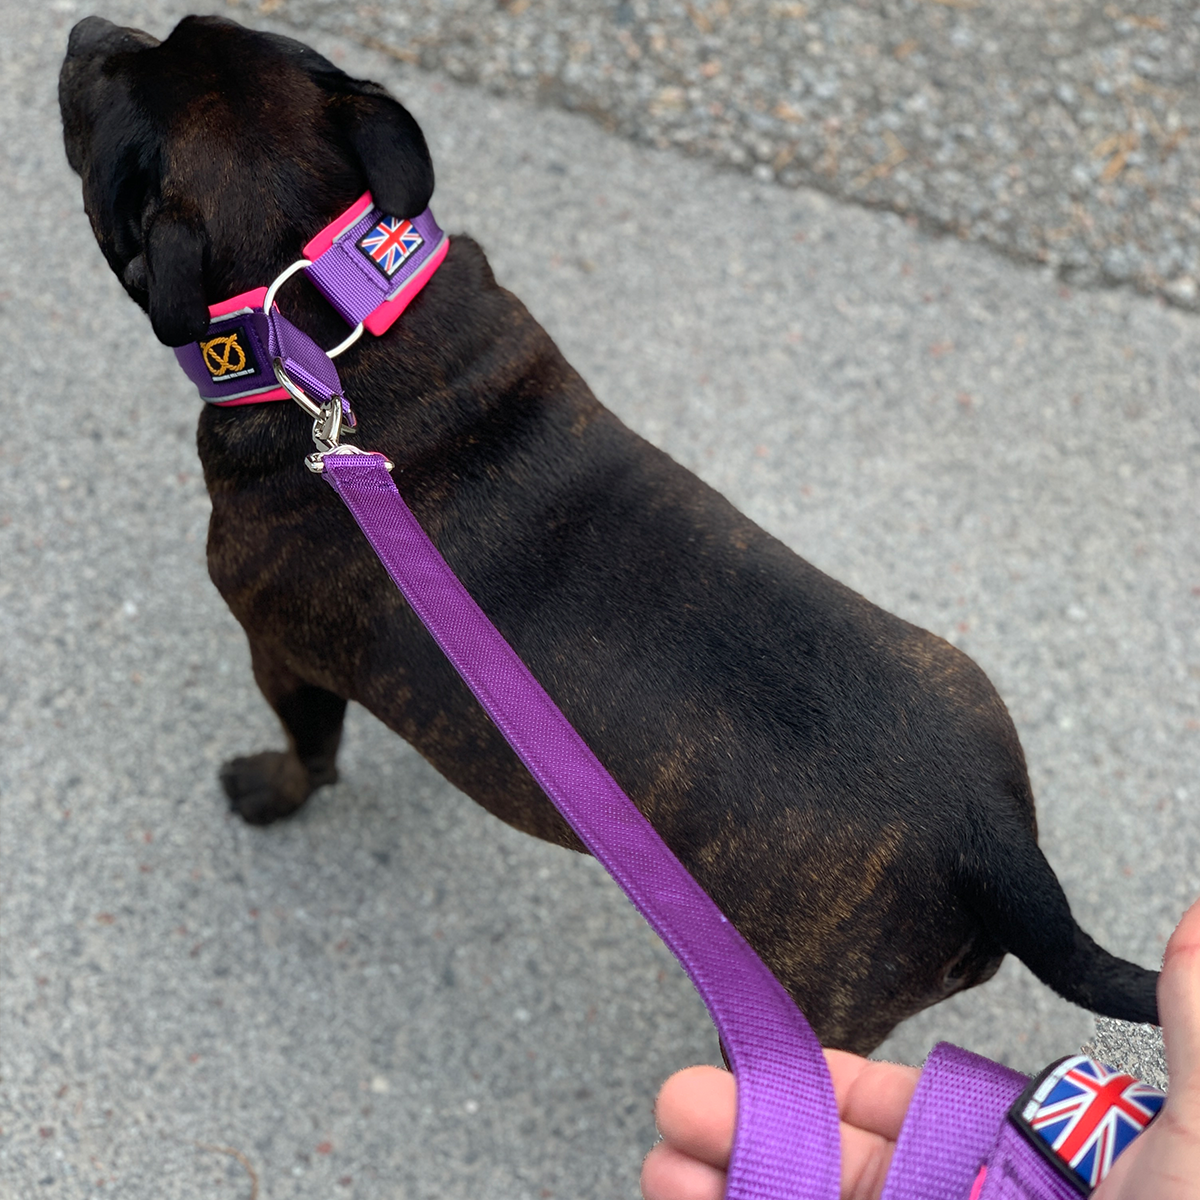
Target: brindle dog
{"points": [[848, 788]]}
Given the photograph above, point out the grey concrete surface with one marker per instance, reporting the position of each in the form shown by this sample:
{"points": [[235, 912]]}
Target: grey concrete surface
{"points": [[1061, 132], [392, 995], [1137, 1049]]}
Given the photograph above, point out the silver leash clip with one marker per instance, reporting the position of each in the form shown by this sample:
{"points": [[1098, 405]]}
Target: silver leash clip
{"points": [[327, 424], [327, 431], [327, 418]]}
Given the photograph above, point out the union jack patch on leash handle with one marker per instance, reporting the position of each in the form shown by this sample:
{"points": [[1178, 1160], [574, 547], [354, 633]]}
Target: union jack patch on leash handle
{"points": [[1080, 1115]]}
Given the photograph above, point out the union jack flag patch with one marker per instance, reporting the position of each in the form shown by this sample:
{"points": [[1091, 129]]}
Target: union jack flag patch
{"points": [[390, 243], [1082, 1114]]}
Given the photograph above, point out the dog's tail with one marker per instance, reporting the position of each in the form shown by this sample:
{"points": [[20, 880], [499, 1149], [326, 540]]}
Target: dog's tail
{"points": [[1022, 905]]}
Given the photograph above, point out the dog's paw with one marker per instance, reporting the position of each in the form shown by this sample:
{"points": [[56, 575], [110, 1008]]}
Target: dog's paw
{"points": [[266, 787]]}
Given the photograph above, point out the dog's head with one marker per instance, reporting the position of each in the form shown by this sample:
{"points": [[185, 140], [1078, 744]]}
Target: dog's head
{"points": [[208, 159]]}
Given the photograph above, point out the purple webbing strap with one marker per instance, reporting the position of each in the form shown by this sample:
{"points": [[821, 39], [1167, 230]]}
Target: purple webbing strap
{"points": [[959, 1105], [346, 278], [305, 362], [786, 1146], [1016, 1172]]}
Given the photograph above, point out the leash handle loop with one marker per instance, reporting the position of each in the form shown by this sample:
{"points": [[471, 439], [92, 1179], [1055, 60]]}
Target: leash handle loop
{"points": [[786, 1145]]}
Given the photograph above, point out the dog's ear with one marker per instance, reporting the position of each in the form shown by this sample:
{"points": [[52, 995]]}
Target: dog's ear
{"points": [[176, 248], [391, 148]]}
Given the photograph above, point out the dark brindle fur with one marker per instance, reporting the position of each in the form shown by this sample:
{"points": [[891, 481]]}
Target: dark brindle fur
{"points": [[849, 788]]}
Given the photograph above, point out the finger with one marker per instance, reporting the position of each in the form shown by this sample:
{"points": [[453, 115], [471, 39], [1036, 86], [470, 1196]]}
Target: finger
{"points": [[865, 1161], [1179, 1006], [1165, 1160], [668, 1174], [696, 1112], [872, 1096]]}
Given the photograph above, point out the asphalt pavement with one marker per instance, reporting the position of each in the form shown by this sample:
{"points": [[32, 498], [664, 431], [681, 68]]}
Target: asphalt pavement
{"points": [[1064, 133], [394, 996]]}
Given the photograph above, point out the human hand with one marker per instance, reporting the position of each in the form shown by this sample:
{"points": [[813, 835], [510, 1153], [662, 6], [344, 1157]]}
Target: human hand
{"points": [[696, 1111], [697, 1107], [1164, 1162]]}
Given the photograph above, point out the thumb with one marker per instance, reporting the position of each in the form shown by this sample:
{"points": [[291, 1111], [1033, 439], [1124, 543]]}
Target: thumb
{"points": [[1179, 1011], [1164, 1162]]}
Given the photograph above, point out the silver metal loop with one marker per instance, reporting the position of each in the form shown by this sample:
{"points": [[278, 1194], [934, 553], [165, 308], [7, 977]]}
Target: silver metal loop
{"points": [[355, 334], [279, 279], [285, 381], [273, 290]]}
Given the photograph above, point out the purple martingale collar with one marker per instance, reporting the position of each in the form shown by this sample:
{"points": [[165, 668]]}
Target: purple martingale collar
{"points": [[975, 1130], [368, 265]]}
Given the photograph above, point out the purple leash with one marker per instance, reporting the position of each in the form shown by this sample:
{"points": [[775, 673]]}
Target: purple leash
{"points": [[786, 1146], [964, 1136]]}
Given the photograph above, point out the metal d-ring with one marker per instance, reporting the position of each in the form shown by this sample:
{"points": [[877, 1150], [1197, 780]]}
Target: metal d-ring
{"points": [[279, 279], [283, 277], [346, 343], [285, 381]]}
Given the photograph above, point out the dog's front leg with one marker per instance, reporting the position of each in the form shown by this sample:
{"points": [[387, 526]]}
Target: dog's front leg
{"points": [[265, 787]]}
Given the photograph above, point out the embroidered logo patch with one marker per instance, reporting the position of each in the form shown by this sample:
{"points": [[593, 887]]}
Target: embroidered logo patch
{"points": [[229, 356], [390, 244], [1082, 1114]]}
